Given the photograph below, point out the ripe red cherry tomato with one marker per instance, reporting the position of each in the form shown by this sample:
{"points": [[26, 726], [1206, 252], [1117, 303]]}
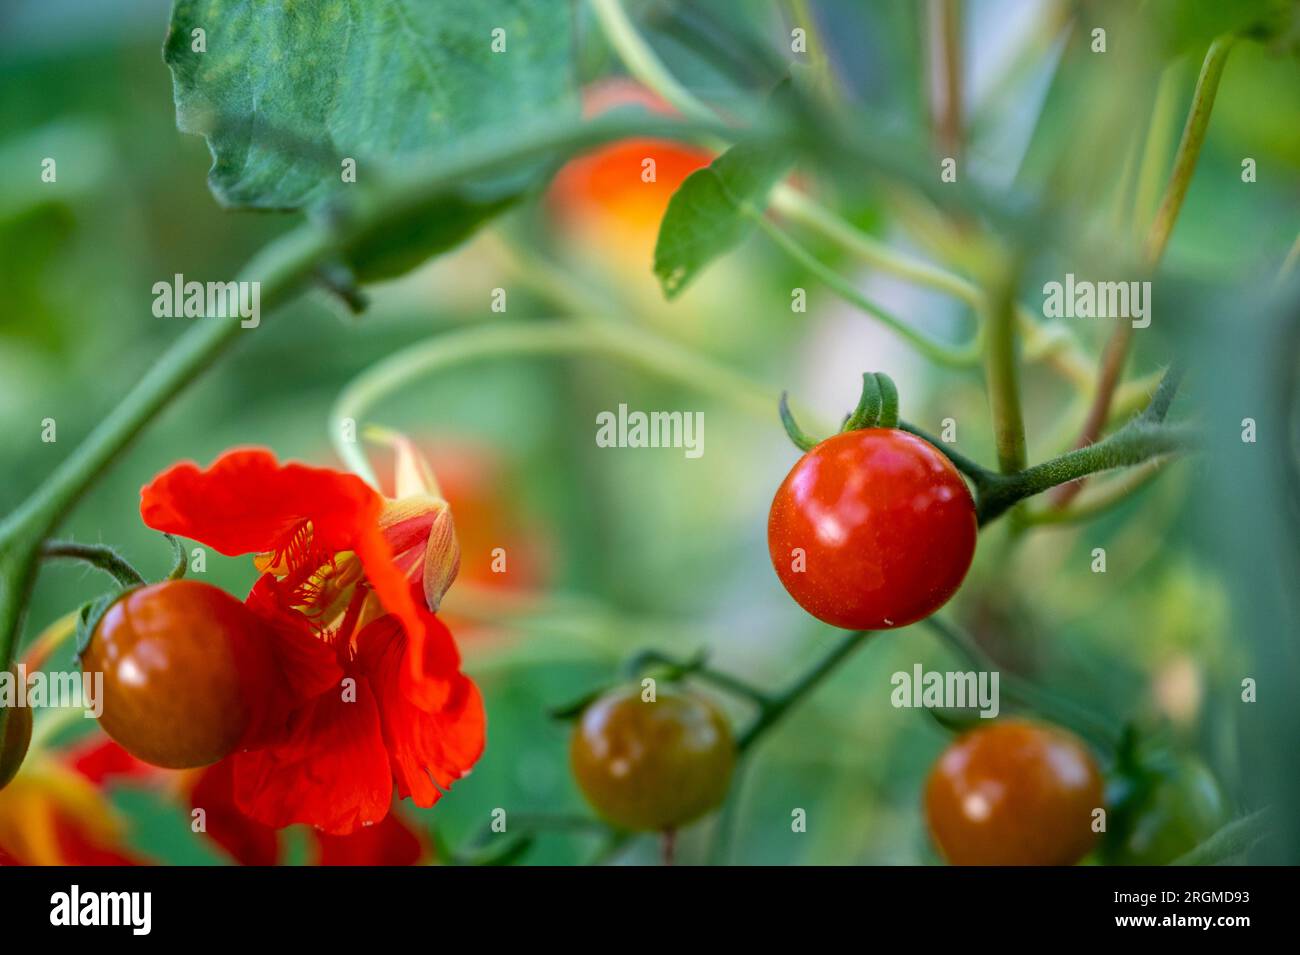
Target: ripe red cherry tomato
{"points": [[652, 766], [15, 738], [872, 529], [187, 669], [1014, 793]]}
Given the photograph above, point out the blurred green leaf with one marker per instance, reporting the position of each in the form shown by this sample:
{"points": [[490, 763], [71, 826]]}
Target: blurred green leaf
{"points": [[285, 93], [705, 218]]}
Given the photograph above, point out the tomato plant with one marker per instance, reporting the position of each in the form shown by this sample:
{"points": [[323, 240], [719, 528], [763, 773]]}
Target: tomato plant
{"points": [[186, 672], [652, 765], [1014, 793], [882, 221]]}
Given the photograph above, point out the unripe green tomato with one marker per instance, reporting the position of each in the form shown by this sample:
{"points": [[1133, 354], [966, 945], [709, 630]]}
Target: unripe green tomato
{"points": [[1184, 807], [652, 766], [15, 737]]}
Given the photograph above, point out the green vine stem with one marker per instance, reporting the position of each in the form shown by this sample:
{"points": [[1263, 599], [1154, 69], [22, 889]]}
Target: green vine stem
{"points": [[1144, 438], [641, 61], [98, 556], [781, 704], [1155, 150], [1003, 373], [1106, 496], [697, 668], [768, 716], [1189, 150]]}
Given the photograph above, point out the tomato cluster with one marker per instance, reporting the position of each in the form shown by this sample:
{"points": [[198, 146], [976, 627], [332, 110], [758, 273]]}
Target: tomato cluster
{"points": [[652, 765], [187, 669]]}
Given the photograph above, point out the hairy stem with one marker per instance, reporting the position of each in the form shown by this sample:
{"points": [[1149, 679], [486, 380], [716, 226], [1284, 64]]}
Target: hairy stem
{"points": [[98, 556]]}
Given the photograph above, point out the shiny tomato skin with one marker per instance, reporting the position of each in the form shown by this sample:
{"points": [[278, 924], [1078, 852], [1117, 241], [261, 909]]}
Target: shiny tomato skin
{"points": [[1014, 793], [15, 738], [652, 766], [187, 671], [886, 526]]}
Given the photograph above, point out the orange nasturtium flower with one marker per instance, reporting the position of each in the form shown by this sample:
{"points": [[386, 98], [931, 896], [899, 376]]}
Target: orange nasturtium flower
{"points": [[604, 195], [369, 695]]}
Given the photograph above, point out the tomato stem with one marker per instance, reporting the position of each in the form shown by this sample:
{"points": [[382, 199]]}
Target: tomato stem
{"points": [[179, 560], [867, 413], [97, 555], [888, 401]]}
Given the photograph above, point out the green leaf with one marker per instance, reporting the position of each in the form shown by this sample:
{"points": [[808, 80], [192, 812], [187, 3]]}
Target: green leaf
{"points": [[285, 92], [706, 215]]}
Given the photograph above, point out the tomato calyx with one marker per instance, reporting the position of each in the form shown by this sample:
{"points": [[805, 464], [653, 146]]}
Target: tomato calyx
{"points": [[877, 408], [1163, 803]]}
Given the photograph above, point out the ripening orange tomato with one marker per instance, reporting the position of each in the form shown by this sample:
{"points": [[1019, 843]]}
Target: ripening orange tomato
{"points": [[187, 672], [613, 196], [1014, 793], [652, 766]]}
